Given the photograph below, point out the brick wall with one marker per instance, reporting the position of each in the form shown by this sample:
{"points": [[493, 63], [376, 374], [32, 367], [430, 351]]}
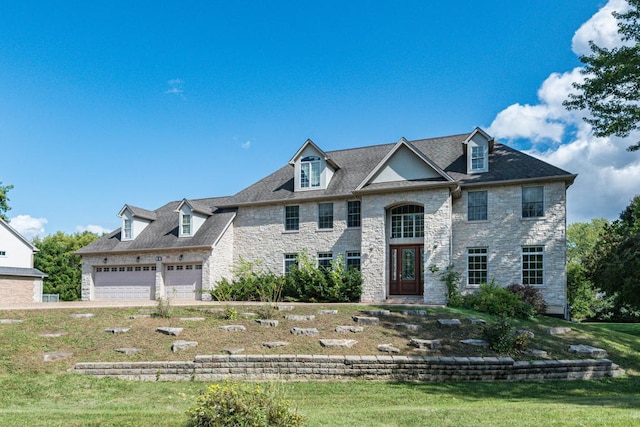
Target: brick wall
{"points": [[323, 367]]}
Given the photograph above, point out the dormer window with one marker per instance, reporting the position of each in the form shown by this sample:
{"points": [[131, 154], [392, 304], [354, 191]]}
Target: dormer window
{"points": [[127, 229], [186, 225], [476, 148], [477, 158], [310, 172]]}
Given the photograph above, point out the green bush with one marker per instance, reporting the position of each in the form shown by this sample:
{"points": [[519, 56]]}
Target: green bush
{"points": [[530, 295], [239, 404], [493, 299], [503, 337]]}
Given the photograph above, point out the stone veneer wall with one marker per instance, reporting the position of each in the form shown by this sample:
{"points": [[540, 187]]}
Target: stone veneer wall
{"points": [[260, 234], [505, 232], [16, 290], [220, 264], [325, 367], [376, 233]]}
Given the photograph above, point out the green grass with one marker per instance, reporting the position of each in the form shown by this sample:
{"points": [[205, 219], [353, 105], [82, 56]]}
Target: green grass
{"points": [[36, 393]]}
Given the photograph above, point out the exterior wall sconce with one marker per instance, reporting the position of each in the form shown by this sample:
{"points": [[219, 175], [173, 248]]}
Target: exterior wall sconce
{"points": [[180, 257], [158, 258], [137, 259], [104, 261]]}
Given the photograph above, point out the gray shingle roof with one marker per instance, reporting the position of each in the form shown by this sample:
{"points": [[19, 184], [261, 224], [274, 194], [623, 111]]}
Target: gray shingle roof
{"points": [[163, 232], [505, 164], [23, 272]]}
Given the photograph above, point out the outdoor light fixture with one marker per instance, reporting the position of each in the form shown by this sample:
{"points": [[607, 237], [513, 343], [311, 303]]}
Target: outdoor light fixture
{"points": [[104, 261], [158, 258], [137, 259], [180, 257]]}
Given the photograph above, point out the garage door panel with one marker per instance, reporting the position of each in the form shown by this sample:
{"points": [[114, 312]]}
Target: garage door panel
{"points": [[182, 281], [127, 282]]}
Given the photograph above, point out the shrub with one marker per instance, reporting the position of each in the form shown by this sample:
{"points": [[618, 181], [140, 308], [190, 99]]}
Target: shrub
{"points": [[493, 299], [503, 337], [451, 279], [163, 308], [239, 404], [530, 295]]}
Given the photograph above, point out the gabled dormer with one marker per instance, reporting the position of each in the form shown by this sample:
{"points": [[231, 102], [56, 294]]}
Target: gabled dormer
{"points": [[134, 220], [313, 168], [477, 148], [191, 216], [404, 163]]}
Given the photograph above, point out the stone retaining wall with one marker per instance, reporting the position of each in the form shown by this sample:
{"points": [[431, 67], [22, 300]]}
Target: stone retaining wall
{"points": [[396, 368]]}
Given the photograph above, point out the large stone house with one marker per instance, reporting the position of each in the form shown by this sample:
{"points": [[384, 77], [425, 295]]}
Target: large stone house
{"points": [[19, 281], [400, 212]]}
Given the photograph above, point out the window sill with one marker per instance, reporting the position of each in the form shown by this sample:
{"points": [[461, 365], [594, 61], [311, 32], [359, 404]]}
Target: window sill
{"points": [[291, 232], [324, 230], [479, 221], [533, 218], [354, 228]]}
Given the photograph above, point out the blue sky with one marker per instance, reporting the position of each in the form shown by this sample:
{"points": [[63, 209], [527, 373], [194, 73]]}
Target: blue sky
{"points": [[107, 103]]}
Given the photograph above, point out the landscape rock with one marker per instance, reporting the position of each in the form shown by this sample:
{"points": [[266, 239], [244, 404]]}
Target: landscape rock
{"points": [[377, 312], [192, 319], [233, 350], [476, 321], [169, 331], [183, 345], [330, 312], [310, 332], [332, 343], [81, 315], [475, 342], [129, 351], [11, 321], [300, 317], [529, 334], [50, 357], [414, 312], [53, 334], [363, 320], [267, 322], [233, 328], [536, 353], [285, 308], [388, 348], [140, 316], [449, 322], [408, 326], [426, 344], [353, 329], [248, 314], [274, 344], [588, 350], [117, 330], [558, 330]]}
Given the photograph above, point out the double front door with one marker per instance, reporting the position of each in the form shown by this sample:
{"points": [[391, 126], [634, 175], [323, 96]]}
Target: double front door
{"points": [[406, 276]]}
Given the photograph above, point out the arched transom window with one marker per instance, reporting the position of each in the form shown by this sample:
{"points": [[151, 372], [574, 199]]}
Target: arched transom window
{"points": [[407, 221], [310, 172]]}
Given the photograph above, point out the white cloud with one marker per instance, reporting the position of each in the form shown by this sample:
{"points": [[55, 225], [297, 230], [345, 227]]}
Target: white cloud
{"points": [[175, 87], [92, 228], [608, 175], [246, 145], [28, 226]]}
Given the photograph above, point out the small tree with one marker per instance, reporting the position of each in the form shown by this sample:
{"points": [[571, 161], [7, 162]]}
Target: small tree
{"points": [[4, 205]]}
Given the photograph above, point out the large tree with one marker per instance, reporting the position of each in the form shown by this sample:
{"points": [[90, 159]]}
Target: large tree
{"points": [[4, 205], [614, 265], [56, 257], [611, 89]]}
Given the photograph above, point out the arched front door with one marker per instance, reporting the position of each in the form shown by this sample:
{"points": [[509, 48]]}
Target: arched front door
{"points": [[406, 250]]}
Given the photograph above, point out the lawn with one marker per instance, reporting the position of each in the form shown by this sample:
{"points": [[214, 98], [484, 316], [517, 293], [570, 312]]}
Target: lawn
{"points": [[38, 393]]}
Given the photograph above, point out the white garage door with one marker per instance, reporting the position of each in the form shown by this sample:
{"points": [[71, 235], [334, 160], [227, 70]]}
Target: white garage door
{"points": [[125, 282], [183, 280]]}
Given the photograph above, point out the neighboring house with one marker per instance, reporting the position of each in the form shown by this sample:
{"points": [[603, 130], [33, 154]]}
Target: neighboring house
{"points": [[400, 212], [19, 281]]}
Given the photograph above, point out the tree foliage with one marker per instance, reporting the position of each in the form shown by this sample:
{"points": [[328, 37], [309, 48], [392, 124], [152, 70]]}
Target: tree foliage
{"points": [[56, 257], [614, 265], [4, 201], [611, 89]]}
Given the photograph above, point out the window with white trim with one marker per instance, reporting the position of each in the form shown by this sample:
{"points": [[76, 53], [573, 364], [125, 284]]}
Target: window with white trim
{"points": [[325, 215], [533, 265], [353, 213], [289, 261], [353, 260], [292, 218], [533, 202], [407, 221], [3, 253], [310, 172], [186, 225], [476, 266], [477, 206], [127, 229], [478, 158], [324, 260]]}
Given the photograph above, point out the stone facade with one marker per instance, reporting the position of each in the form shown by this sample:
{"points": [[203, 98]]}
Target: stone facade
{"points": [[505, 233], [17, 290]]}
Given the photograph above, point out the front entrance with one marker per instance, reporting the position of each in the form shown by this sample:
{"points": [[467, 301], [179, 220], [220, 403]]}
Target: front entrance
{"points": [[405, 270]]}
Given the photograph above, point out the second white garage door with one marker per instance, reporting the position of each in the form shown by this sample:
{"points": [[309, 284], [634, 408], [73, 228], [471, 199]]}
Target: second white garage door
{"points": [[183, 281], [125, 282]]}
